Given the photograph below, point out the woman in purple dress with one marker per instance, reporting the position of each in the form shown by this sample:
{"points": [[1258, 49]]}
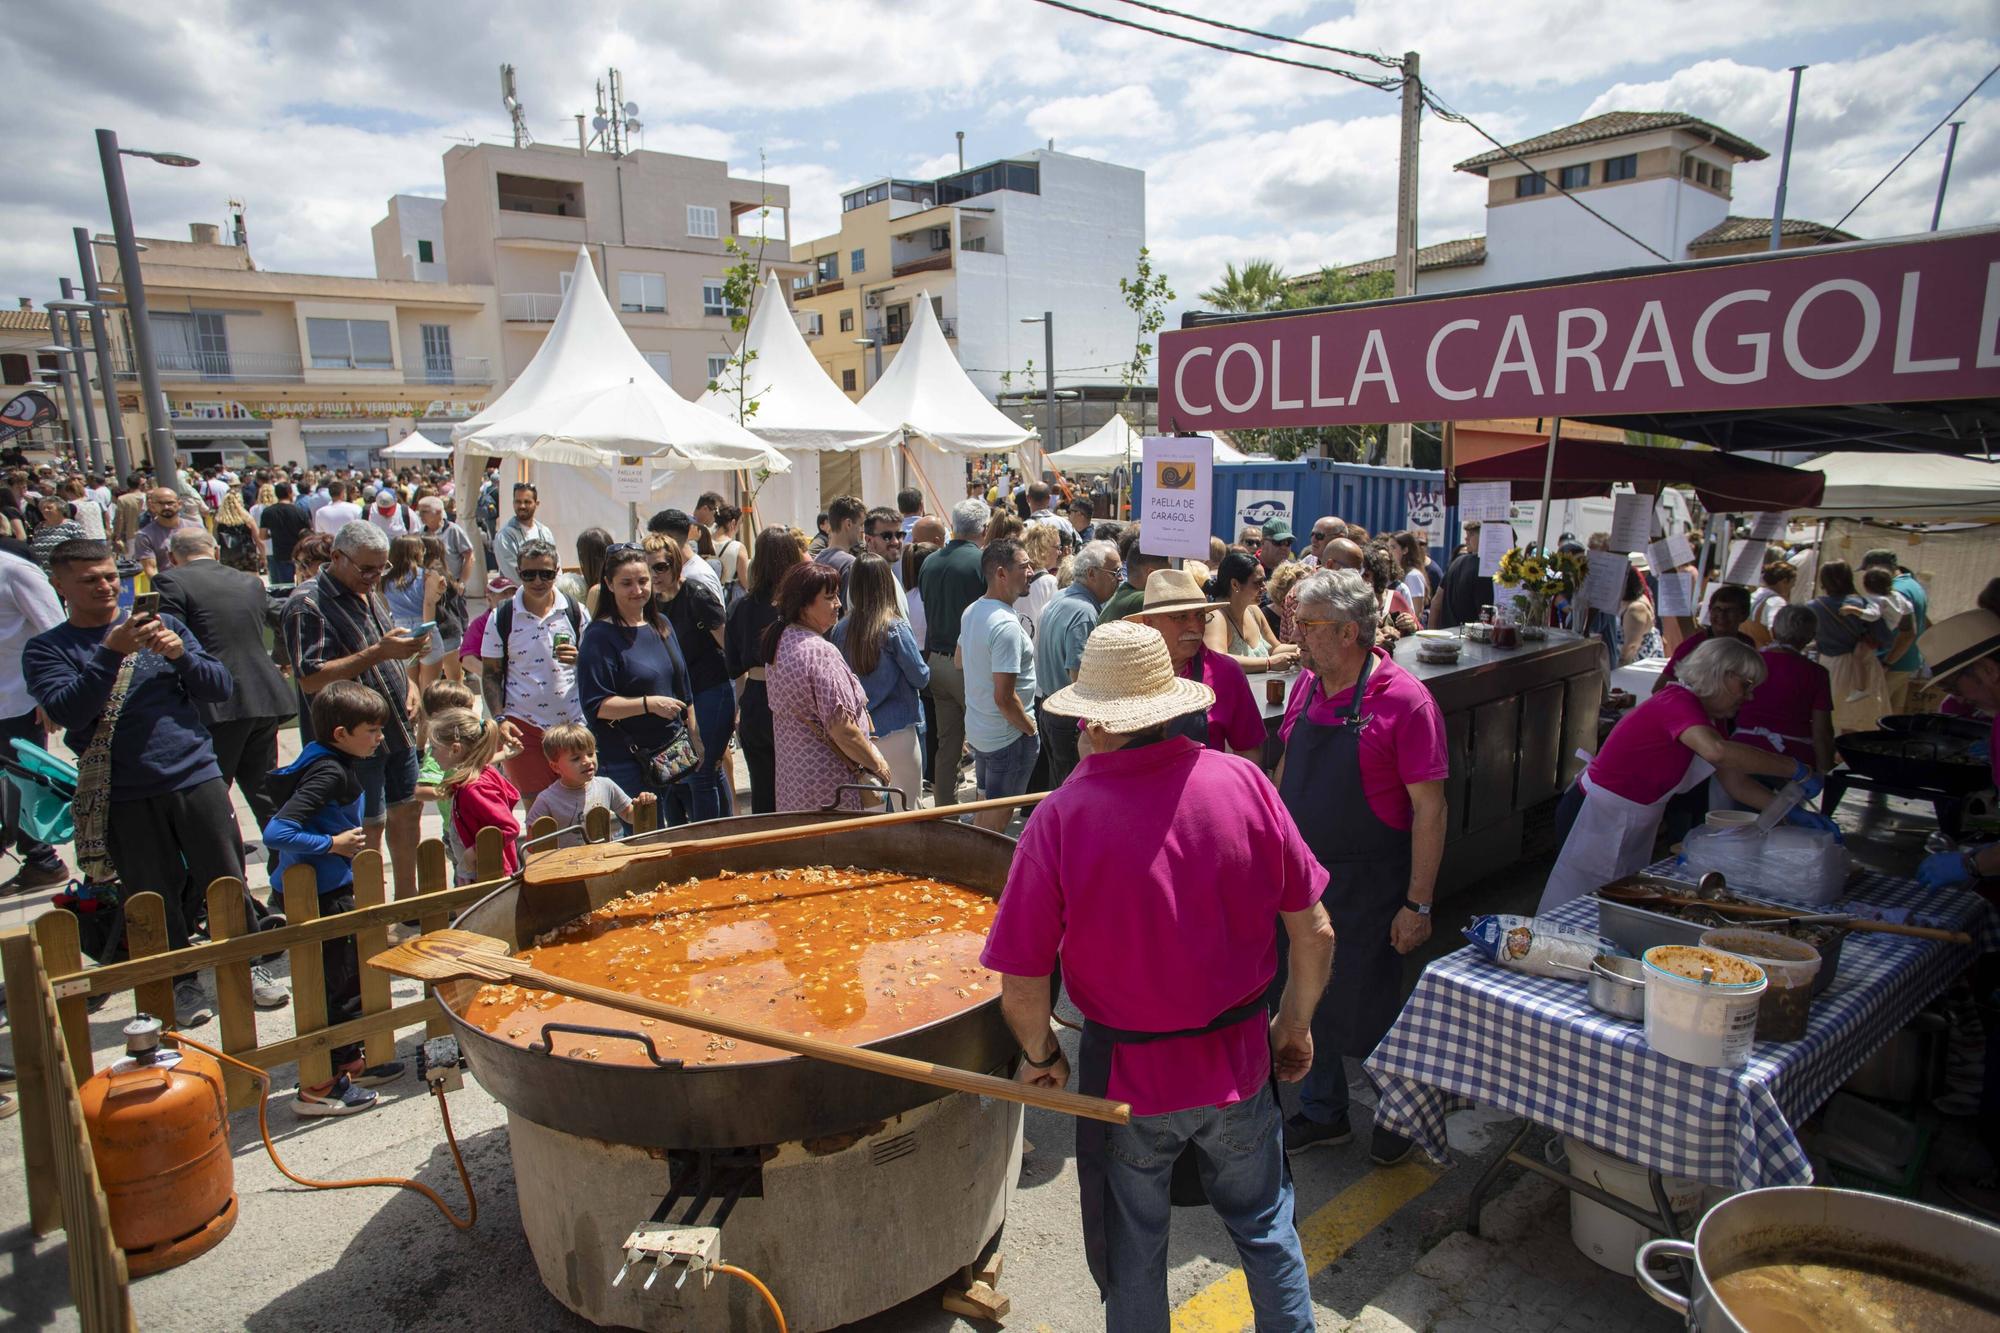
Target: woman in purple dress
{"points": [[819, 711]]}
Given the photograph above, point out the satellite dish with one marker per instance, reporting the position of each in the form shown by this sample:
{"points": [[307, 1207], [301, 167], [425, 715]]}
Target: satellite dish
{"points": [[511, 103], [631, 108], [634, 125], [598, 123]]}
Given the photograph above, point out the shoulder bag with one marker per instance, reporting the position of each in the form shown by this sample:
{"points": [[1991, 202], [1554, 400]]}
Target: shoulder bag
{"points": [[680, 756]]}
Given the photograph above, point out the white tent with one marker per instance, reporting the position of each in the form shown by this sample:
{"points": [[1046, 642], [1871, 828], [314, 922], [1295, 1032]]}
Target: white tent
{"points": [[417, 445], [800, 411], [942, 412], [1920, 487], [1115, 444]]}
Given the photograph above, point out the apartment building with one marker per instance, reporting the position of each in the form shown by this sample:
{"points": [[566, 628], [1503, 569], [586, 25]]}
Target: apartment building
{"points": [[655, 225], [301, 367], [409, 240], [990, 247]]}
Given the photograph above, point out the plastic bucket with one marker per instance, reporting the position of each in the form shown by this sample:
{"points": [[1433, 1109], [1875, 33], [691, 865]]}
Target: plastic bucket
{"points": [[1611, 1239], [1710, 1022], [1791, 966]]}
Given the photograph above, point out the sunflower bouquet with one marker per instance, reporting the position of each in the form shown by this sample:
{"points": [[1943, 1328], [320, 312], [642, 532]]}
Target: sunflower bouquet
{"points": [[1535, 576]]}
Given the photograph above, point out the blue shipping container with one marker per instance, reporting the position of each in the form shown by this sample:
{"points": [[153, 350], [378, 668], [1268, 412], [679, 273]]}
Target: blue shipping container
{"points": [[1308, 489]]}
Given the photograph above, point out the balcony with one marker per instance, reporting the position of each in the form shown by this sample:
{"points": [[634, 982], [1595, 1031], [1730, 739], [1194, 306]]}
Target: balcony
{"points": [[825, 288], [452, 370], [890, 337], [935, 264], [219, 367], [530, 307]]}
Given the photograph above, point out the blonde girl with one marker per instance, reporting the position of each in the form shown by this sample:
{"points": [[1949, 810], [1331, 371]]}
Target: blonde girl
{"points": [[469, 748]]}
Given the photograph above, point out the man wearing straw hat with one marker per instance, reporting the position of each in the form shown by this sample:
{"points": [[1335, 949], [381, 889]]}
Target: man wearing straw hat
{"points": [[1964, 653], [1175, 605], [1153, 874]]}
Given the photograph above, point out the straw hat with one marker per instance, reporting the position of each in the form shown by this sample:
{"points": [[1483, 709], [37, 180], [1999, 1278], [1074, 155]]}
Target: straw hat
{"points": [[1955, 643], [1173, 590], [1126, 681]]}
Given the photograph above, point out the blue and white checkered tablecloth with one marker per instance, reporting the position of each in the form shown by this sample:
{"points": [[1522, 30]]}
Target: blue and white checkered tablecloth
{"points": [[1476, 1033]]}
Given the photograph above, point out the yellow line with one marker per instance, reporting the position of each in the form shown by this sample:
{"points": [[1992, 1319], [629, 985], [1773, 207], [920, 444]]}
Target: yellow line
{"points": [[1224, 1305]]}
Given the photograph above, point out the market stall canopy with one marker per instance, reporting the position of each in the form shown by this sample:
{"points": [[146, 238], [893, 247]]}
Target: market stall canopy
{"points": [[1912, 487], [417, 445], [1891, 344], [589, 398], [1725, 483], [925, 391], [798, 405], [1115, 444]]}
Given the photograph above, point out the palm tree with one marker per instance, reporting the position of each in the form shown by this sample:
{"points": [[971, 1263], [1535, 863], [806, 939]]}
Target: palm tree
{"points": [[1258, 285]]}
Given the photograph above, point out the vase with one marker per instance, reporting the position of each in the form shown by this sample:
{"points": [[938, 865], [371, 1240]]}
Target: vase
{"points": [[1534, 614]]}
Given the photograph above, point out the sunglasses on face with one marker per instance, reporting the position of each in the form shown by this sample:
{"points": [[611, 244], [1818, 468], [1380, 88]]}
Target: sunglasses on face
{"points": [[663, 568], [538, 576]]}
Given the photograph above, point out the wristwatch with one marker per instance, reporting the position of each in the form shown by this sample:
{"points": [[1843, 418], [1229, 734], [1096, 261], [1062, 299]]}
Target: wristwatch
{"points": [[1421, 909], [1049, 1063]]}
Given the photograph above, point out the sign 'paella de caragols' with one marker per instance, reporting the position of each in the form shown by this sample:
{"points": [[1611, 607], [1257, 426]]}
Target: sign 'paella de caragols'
{"points": [[1900, 322]]}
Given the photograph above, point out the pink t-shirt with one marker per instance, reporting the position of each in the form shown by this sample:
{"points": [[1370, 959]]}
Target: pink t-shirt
{"points": [[1795, 687], [1402, 743], [475, 635], [1234, 720], [1688, 645], [1643, 758], [1156, 874]]}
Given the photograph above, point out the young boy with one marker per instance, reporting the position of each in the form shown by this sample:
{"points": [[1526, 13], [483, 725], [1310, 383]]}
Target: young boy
{"points": [[319, 825], [572, 753]]}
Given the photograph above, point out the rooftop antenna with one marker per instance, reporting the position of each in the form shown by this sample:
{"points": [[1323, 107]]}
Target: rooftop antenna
{"points": [[515, 111], [239, 231], [621, 119], [961, 150]]}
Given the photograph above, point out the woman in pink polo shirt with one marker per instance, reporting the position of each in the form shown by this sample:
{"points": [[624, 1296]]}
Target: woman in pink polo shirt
{"points": [[1792, 712], [1668, 744]]}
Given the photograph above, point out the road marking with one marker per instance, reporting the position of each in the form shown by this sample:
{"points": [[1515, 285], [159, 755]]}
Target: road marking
{"points": [[1224, 1305]]}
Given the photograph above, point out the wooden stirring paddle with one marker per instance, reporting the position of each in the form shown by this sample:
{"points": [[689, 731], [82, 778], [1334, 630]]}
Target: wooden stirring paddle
{"points": [[1638, 897], [448, 955], [566, 865]]}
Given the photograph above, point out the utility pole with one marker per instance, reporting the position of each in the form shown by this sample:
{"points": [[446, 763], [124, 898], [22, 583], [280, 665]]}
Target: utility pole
{"points": [[1049, 381], [159, 423], [1944, 178], [1406, 224], [63, 356], [75, 341], [1785, 163], [107, 374]]}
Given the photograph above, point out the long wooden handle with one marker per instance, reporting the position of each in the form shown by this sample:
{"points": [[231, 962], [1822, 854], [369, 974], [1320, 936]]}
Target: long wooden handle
{"points": [[573, 863], [1761, 913], [875, 1062]]}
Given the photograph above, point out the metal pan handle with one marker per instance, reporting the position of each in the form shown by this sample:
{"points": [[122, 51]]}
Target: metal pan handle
{"points": [[546, 1047], [1662, 1247], [868, 790]]}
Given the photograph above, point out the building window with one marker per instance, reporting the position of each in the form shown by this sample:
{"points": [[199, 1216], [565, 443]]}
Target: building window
{"points": [[714, 301], [642, 293], [1704, 174], [1621, 168], [815, 323], [1687, 167], [662, 364], [847, 321], [349, 344], [1574, 178], [424, 253], [438, 368], [718, 366], [826, 268], [857, 261], [702, 222], [940, 239], [1722, 180], [1531, 184], [533, 194], [847, 381]]}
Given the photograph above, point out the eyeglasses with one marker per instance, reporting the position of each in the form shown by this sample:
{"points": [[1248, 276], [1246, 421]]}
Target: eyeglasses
{"points": [[538, 576], [663, 568]]}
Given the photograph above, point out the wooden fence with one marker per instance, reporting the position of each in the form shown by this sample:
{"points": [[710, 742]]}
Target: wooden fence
{"points": [[49, 988]]}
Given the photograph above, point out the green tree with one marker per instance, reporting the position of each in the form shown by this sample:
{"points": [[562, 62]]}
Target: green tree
{"points": [[1146, 292], [1258, 285]]}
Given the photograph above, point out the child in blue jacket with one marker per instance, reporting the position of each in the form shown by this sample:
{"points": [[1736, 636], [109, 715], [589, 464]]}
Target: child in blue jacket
{"points": [[318, 824]]}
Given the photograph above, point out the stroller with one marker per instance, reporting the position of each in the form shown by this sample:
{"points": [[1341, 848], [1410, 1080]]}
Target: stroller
{"points": [[35, 800]]}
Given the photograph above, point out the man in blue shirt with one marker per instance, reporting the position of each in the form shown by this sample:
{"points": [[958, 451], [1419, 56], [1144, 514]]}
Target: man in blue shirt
{"points": [[1902, 668], [170, 827], [998, 659], [1066, 624]]}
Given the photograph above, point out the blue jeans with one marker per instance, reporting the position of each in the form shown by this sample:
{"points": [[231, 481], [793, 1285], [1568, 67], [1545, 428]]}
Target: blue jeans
{"points": [[388, 777], [1005, 771], [1242, 1157], [715, 722], [282, 571], [1323, 1095]]}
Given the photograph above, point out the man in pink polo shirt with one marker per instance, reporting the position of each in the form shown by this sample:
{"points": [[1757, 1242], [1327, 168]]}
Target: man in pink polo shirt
{"points": [[1176, 606], [1153, 873]]}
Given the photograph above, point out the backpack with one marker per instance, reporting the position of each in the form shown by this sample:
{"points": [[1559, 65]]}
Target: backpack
{"points": [[503, 625], [235, 546]]}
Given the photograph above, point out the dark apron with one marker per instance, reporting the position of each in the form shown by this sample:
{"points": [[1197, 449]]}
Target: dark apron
{"points": [[1093, 1078], [1369, 867]]}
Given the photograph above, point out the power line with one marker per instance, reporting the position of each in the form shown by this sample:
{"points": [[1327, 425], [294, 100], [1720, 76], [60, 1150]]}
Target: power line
{"points": [[1436, 103], [1383, 83], [1913, 151], [1387, 62]]}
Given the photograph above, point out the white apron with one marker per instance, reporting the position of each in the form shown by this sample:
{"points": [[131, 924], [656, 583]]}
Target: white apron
{"points": [[1612, 837]]}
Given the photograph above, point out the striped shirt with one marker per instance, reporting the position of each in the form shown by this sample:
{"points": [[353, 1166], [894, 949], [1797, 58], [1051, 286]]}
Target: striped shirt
{"points": [[324, 622]]}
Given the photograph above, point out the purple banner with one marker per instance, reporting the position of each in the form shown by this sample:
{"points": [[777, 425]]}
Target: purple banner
{"points": [[1892, 323]]}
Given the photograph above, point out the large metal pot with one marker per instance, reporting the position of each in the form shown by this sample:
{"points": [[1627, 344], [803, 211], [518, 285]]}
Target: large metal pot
{"points": [[735, 1105], [1793, 1222], [1934, 762]]}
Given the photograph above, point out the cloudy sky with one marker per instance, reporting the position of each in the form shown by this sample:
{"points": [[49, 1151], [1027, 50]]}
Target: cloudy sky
{"points": [[314, 114]]}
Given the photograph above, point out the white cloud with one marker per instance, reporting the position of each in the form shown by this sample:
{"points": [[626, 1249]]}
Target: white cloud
{"points": [[1130, 112]]}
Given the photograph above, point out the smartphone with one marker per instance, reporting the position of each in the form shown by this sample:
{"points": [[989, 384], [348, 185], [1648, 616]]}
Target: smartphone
{"points": [[428, 627], [146, 604]]}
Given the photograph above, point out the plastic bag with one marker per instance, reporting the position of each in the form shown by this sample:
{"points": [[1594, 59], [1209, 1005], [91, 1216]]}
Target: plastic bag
{"points": [[1800, 865], [1530, 944]]}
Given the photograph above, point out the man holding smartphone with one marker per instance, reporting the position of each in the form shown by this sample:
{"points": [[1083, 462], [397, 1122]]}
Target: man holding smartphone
{"points": [[528, 665]]}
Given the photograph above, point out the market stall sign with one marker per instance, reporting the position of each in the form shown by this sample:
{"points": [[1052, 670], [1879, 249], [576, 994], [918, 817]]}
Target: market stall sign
{"points": [[1916, 320], [1180, 478]]}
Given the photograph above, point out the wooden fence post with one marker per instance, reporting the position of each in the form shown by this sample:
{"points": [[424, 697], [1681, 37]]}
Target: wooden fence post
{"points": [[489, 855], [597, 824], [145, 937], [34, 1066], [308, 974], [62, 954], [542, 828], [368, 891], [433, 876], [234, 1009], [646, 818]]}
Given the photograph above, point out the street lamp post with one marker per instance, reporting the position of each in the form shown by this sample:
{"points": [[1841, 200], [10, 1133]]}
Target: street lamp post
{"points": [[1048, 322], [75, 341], [62, 355], [107, 374], [159, 426]]}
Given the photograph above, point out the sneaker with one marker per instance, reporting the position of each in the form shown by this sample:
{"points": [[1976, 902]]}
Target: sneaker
{"points": [[266, 991], [1388, 1148], [191, 1006], [339, 1097], [1302, 1133], [32, 878], [370, 1076]]}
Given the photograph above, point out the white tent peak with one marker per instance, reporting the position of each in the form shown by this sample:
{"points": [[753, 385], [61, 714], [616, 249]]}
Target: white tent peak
{"points": [[798, 406], [925, 391]]}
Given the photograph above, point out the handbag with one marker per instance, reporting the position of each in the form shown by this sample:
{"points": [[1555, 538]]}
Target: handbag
{"points": [[680, 756], [92, 807]]}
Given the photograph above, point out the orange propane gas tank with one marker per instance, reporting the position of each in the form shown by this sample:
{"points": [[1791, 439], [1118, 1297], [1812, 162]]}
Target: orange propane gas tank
{"points": [[159, 1129]]}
